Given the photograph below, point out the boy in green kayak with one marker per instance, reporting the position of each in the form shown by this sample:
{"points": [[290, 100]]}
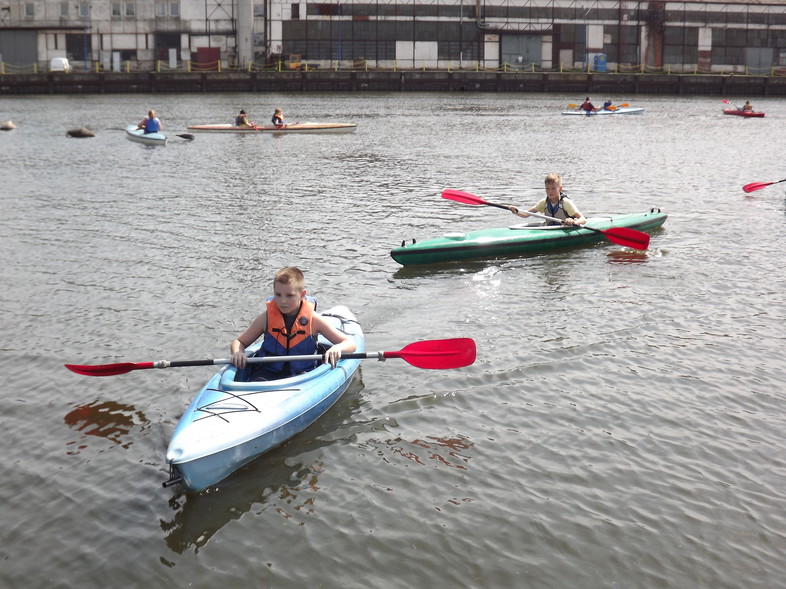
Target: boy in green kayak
{"points": [[290, 326], [556, 204]]}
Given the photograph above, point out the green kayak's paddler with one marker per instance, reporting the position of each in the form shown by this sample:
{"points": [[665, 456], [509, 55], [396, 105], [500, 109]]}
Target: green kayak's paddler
{"points": [[556, 204]]}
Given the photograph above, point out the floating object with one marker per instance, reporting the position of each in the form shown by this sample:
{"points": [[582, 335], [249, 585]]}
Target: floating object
{"points": [[80, 132], [7, 126]]}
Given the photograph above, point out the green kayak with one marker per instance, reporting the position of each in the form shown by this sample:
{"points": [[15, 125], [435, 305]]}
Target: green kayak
{"points": [[519, 239]]}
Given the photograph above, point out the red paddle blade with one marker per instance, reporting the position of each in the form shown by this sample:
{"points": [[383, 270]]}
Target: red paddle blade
{"points": [[628, 237], [438, 353], [107, 369], [465, 197], [756, 186]]}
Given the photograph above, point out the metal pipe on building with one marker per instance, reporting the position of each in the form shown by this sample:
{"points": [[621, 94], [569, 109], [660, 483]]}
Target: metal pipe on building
{"points": [[245, 32]]}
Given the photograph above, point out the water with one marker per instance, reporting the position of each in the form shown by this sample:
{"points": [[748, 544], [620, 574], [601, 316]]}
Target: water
{"points": [[623, 425]]}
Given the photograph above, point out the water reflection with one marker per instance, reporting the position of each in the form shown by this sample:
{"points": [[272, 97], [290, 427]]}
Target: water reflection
{"points": [[105, 419], [272, 483], [447, 269], [450, 452], [630, 256]]}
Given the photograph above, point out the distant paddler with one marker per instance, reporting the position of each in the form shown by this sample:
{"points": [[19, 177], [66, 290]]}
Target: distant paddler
{"points": [[278, 118], [151, 123], [241, 120], [588, 106]]}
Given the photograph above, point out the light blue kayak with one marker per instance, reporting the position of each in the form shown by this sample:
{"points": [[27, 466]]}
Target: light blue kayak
{"points": [[140, 136], [231, 422]]}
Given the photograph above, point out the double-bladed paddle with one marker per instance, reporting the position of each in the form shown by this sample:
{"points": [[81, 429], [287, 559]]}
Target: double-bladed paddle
{"points": [[434, 354], [759, 185], [619, 235]]}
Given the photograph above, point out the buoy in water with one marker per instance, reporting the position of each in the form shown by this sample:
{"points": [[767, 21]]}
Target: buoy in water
{"points": [[80, 132]]}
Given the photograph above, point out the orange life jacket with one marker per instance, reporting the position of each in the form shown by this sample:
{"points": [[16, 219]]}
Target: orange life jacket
{"points": [[299, 340]]}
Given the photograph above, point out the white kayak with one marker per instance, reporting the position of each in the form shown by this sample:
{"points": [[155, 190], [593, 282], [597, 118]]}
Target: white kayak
{"points": [[624, 110], [288, 128], [231, 422], [139, 135]]}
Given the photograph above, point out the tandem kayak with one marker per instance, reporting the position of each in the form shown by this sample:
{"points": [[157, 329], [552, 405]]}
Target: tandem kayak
{"points": [[231, 422], [140, 136], [743, 113], [290, 128], [625, 110], [517, 239]]}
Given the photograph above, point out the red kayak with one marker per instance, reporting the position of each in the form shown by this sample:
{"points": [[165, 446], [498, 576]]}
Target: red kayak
{"points": [[742, 113]]}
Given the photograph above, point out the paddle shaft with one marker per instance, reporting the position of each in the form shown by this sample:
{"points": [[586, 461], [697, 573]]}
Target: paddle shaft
{"points": [[381, 356], [541, 216], [553, 219], [619, 235], [445, 353], [123, 367]]}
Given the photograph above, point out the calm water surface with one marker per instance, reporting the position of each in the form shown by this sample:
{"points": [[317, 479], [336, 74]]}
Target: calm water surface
{"points": [[623, 425]]}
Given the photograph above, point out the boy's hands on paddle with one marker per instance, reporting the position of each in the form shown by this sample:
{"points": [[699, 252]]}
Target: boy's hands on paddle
{"points": [[239, 360], [333, 355]]}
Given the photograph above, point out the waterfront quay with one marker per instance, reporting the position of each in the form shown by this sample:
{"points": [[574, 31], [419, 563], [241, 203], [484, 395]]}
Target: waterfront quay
{"points": [[392, 80]]}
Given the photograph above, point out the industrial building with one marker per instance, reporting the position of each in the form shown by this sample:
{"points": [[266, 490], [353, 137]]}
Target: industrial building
{"points": [[526, 35]]}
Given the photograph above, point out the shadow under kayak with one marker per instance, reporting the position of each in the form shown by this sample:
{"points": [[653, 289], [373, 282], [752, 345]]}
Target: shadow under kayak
{"points": [[517, 239]]}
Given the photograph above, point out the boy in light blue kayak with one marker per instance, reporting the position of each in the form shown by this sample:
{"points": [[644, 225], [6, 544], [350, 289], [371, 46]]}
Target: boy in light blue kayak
{"points": [[556, 204], [290, 326]]}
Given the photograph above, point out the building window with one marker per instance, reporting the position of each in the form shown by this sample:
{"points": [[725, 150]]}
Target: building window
{"points": [[84, 10], [116, 10], [296, 12], [29, 10], [63, 9], [130, 9], [165, 9]]}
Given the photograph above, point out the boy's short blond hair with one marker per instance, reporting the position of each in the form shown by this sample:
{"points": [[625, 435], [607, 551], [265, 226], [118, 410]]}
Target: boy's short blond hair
{"points": [[554, 178], [290, 275]]}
